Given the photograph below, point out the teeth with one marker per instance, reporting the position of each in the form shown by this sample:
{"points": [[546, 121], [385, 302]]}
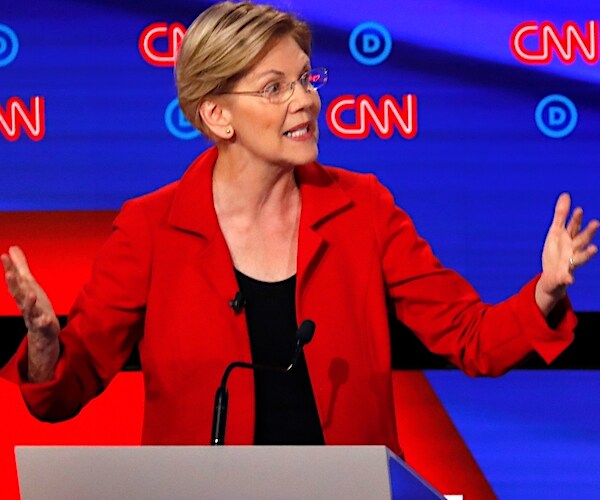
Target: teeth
{"points": [[297, 133]]}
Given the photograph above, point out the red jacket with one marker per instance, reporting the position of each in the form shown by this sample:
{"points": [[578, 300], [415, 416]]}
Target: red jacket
{"points": [[165, 277]]}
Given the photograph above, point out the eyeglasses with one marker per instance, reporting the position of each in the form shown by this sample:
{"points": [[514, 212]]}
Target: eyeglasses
{"points": [[280, 91]]}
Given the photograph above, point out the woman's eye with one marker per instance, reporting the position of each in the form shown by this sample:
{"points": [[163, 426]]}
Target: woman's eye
{"points": [[273, 88]]}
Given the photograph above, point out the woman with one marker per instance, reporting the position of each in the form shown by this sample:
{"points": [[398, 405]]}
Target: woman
{"points": [[301, 241]]}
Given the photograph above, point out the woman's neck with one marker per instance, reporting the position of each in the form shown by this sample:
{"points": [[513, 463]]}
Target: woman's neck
{"points": [[258, 208], [241, 188]]}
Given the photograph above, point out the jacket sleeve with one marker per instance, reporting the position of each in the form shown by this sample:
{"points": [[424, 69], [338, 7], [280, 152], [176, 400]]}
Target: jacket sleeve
{"points": [[103, 326], [447, 314]]}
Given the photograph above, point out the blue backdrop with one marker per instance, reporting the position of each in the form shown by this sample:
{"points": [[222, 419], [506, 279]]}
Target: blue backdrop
{"points": [[479, 178]]}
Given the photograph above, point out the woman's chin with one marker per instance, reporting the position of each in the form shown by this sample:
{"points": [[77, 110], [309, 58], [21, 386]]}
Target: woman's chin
{"points": [[308, 155]]}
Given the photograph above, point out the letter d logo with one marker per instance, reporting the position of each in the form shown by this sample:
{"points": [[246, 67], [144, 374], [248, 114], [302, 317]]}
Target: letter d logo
{"points": [[370, 43], [9, 45], [556, 116]]}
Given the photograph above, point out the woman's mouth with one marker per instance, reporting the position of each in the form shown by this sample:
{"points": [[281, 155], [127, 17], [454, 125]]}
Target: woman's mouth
{"points": [[302, 131]]}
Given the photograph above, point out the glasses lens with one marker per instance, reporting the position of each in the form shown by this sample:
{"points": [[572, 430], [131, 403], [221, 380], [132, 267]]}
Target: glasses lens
{"points": [[317, 78], [285, 92], [313, 79]]}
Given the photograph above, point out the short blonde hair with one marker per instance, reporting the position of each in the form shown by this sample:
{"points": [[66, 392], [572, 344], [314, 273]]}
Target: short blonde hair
{"points": [[222, 44]]}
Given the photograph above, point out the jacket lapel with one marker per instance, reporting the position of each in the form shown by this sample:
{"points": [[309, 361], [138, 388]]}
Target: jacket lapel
{"points": [[193, 211], [322, 200]]}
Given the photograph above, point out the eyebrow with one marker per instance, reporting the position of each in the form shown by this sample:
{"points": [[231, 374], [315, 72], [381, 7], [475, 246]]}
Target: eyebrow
{"points": [[271, 71], [306, 67]]}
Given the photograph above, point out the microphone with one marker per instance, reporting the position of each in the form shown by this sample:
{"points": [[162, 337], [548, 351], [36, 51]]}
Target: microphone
{"points": [[238, 302], [304, 335]]}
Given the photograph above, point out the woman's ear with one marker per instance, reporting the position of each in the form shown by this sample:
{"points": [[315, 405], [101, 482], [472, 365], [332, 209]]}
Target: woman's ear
{"points": [[216, 118]]}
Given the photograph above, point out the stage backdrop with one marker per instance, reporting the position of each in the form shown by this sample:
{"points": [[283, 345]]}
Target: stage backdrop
{"points": [[475, 114]]}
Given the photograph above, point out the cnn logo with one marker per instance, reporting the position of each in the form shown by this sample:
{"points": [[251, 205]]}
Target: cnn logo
{"points": [[533, 43], [350, 117], [159, 43], [16, 117]]}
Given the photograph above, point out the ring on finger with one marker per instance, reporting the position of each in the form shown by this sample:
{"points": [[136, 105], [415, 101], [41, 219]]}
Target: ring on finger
{"points": [[571, 264]]}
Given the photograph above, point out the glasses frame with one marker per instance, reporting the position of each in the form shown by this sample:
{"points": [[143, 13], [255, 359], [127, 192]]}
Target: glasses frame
{"points": [[291, 86]]}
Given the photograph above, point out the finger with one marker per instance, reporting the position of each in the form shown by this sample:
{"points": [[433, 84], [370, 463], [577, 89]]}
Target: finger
{"points": [[568, 279], [26, 304], [12, 282], [561, 210], [591, 251], [16, 287], [14, 279], [575, 222], [7, 263], [19, 261], [585, 237], [35, 317], [584, 256]]}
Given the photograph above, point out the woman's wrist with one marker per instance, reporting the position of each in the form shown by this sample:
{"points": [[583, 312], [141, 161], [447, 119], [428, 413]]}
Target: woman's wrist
{"points": [[547, 297], [43, 353]]}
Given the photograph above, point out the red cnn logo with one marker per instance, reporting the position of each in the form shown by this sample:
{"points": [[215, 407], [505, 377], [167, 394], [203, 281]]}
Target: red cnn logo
{"points": [[367, 115], [550, 40], [172, 34], [15, 116]]}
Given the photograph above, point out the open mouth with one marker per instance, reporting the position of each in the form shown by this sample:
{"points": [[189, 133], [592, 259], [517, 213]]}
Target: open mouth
{"points": [[299, 131]]}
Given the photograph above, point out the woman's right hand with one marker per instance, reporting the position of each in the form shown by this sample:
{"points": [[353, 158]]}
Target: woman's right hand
{"points": [[38, 313]]}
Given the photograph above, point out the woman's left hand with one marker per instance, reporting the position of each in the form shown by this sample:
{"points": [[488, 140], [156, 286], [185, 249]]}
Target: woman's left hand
{"points": [[566, 248]]}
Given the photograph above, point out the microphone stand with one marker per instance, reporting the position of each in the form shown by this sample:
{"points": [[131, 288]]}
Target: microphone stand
{"points": [[304, 335]]}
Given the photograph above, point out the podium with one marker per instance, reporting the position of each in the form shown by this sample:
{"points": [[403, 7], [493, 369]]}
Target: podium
{"points": [[221, 472]]}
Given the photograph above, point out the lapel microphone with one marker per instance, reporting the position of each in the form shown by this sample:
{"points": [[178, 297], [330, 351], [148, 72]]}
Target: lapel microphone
{"points": [[238, 302]]}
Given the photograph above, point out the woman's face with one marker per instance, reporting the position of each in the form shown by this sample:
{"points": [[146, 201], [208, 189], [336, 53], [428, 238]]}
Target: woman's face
{"points": [[281, 134]]}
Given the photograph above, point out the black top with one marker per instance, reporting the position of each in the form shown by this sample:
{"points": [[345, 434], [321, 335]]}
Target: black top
{"points": [[285, 405]]}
